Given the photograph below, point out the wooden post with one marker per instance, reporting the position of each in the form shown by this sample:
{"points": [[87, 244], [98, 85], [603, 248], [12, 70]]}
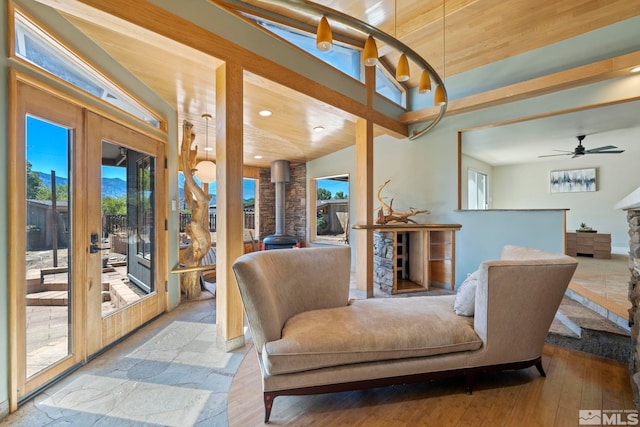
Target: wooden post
{"points": [[364, 190], [229, 234]]}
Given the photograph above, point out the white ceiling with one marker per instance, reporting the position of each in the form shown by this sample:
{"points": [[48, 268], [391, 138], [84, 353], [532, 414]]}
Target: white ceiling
{"points": [[523, 142]]}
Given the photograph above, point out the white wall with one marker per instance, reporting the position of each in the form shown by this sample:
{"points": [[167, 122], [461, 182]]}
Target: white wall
{"points": [[526, 186]]}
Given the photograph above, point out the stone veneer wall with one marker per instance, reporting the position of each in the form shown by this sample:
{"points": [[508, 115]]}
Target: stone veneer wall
{"points": [[633, 216], [383, 251], [295, 203]]}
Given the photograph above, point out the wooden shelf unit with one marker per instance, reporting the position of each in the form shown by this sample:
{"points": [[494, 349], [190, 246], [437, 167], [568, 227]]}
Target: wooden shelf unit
{"points": [[588, 243], [427, 251]]}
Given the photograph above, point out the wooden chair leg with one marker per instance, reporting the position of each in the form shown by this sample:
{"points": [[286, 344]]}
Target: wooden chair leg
{"points": [[268, 403], [540, 368], [469, 380]]}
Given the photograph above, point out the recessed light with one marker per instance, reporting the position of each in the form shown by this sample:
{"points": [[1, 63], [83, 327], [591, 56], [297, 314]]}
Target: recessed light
{"points": [[265, 113], [318, 129], [257, 157], [635, 69], [208, 148]]}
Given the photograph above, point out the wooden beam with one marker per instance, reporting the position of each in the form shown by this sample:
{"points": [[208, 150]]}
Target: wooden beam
{"points": [[229, 234], [160, 21], [364, 201], [587, 74]]}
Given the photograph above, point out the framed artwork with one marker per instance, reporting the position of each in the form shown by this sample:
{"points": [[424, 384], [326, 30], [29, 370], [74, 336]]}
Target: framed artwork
{"points": [[573, 180]]}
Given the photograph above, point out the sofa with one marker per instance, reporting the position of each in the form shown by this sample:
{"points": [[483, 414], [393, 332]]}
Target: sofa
{"points": [[310, 338]]}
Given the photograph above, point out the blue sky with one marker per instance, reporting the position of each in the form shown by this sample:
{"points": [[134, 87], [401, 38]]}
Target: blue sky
{"points": [[334, 186], [47, 147]]}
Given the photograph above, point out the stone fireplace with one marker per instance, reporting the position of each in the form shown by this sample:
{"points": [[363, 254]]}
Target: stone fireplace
{"points": [[631, 204]]}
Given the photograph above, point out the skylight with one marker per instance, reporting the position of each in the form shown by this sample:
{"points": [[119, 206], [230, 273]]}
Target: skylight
{"points": [[39, 48]]}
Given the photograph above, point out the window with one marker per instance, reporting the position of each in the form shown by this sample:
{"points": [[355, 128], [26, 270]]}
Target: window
{"points": [[331, 223], [39, 48], [477, 190], [249, 207], [343, 58]]}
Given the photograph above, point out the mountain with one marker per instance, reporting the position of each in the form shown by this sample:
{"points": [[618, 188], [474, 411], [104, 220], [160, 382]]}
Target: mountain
{"points": [[114, 187]]}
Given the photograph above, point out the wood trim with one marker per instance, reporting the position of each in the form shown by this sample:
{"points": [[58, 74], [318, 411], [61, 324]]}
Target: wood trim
{"points": [[587, 74], [468, 373], [459, 166], [15, 272]]}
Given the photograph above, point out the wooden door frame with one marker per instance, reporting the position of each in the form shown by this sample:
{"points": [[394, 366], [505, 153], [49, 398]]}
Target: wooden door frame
{"points": [[58, 104], [31, 100]]}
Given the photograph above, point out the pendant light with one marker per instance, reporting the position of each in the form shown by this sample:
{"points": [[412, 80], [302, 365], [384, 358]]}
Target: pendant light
{"points": [[438, 97], [425, 82], [206, 169], [402, 70], [370, 52], [324, 39]]}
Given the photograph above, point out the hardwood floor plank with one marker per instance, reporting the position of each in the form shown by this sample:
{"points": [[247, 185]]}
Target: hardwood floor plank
{"points": [[574, 381]]}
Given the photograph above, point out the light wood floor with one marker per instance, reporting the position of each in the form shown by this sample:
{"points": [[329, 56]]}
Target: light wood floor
{"points": [[574, 381]]}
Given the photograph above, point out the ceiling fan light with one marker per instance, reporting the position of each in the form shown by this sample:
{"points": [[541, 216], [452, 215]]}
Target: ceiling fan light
{"points": [[438, 97], [206, 171], [370, 52], [402, 70], [324, 38], [425, 82]]}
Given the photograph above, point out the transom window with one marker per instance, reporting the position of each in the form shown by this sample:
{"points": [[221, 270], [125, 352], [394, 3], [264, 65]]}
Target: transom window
{"points": [[40, 49]]}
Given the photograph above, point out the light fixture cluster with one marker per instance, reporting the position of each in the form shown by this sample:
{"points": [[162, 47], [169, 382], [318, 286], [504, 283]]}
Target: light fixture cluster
{"points": [[324, 43]]}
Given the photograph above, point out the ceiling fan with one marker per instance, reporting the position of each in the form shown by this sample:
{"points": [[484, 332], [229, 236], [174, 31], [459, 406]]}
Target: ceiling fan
{"points": [[580, 150]]}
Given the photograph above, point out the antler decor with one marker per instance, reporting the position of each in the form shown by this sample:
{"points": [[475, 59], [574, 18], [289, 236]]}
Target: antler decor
{"points": [[386, 215]]}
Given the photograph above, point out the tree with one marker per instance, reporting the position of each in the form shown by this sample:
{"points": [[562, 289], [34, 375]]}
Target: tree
{"points": [[114, 205], [62, 193], [340, 195], [249, 202], [323, 194], [34, 183]]}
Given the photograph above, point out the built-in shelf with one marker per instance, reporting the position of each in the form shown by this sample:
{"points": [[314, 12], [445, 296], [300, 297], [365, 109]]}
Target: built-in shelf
{"points": [[423, 256]]}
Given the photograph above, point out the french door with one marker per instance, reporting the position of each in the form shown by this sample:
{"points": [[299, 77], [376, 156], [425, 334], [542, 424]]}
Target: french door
{"points": [[84, 220]]}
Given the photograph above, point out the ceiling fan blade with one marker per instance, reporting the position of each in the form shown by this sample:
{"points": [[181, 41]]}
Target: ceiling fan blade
{"points": [[568, 153], [605, 152], [606, 147]]}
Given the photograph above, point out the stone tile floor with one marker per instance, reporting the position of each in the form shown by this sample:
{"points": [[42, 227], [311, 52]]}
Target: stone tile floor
{"points": [[169, 373]]}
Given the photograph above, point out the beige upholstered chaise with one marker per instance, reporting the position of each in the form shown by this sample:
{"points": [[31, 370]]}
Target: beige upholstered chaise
{"points": [[310, 339]]}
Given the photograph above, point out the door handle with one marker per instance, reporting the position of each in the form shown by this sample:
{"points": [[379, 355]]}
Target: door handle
{"points": [[93, 247]]}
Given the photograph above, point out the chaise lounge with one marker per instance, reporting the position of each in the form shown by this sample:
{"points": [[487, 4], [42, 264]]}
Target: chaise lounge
{"points": [[311, 339]]}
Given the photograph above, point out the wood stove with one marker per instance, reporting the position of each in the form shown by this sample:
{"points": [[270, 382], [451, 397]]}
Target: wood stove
{"points": [[280, 175]]}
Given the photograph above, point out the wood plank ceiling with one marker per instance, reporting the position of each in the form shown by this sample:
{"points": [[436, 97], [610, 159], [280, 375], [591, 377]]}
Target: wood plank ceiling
{"points": [[477, 32]]}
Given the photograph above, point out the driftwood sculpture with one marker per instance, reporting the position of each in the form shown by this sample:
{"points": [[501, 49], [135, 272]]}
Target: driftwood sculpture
{"points": [[198, 229], [386, 214]]}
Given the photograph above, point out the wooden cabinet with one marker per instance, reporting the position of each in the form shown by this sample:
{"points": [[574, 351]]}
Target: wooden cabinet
{"points": [[597, 245], [414, 257]]}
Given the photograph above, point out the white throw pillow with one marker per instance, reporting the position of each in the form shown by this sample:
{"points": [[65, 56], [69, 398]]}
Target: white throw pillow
{"points": [[465, 302]]}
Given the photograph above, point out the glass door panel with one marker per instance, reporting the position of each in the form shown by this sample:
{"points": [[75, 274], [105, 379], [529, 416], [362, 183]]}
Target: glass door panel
{"points": [[48, 256], [128, 226]]}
